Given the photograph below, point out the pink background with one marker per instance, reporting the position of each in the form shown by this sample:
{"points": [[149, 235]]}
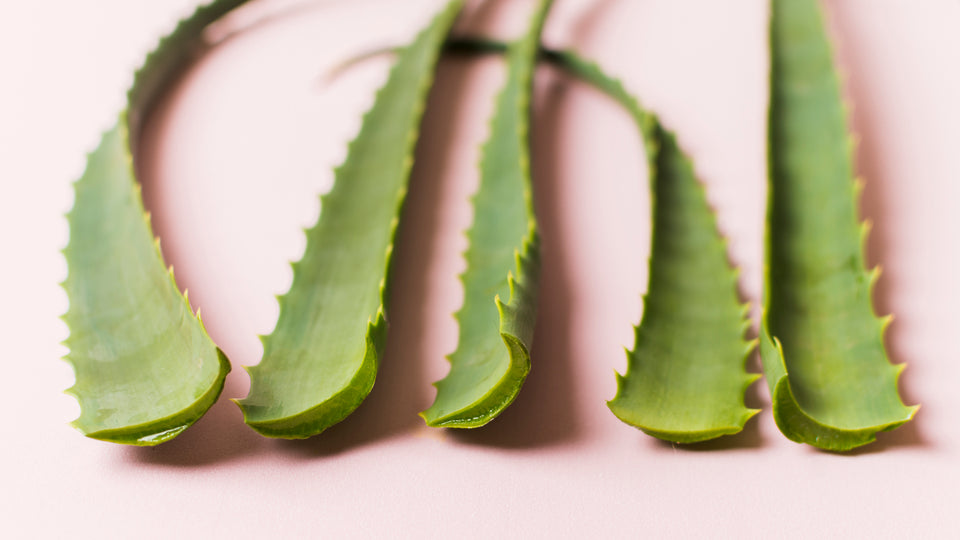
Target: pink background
{"points": [[247, 141]]}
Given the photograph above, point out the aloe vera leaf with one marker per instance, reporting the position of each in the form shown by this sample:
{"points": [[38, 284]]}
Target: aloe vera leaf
{"points": [[831, 383], [321, 360], [686, 376], [492, 358], [145, 367]]}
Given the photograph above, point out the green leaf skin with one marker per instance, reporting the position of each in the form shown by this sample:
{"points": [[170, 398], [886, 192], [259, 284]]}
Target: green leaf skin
{"points": [[492, 359], [831, 383], [686, 377], [321, 360], [686, 374], [145, 367]]}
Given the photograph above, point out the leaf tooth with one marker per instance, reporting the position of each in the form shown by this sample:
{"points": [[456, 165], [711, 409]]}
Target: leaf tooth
{"points": [[281, 302], [885, 323], [78, 390], [502, 308], [898, 371], [865, 227], [873, 277], [621, 379]]}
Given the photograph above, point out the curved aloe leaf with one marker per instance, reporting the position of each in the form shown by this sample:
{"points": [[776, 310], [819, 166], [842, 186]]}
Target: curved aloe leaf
{"points": [[145, 367], [831, 383], [492, 359], [321, 360], [686, 375]]}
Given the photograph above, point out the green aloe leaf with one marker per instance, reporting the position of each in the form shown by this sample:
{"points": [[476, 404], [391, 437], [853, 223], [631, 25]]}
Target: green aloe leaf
{"points": [[145, 367], [686, 374], [492, 359], [321, 360], [831, 383]]}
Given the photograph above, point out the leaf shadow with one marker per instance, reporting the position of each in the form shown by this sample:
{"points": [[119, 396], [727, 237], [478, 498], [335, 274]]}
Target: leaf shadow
{"points": [[865, 121]]}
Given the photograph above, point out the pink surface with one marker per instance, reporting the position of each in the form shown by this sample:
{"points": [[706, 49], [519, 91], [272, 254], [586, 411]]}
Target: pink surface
{"points": [[232, 169]]}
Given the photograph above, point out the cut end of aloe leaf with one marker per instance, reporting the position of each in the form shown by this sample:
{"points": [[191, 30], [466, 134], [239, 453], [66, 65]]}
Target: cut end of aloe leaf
{"points": [[672, 431], [695, 423], [480, 410], [836, 423], [271, 421], [484, 380], [91, 422], [800, 427], [309, 412]]}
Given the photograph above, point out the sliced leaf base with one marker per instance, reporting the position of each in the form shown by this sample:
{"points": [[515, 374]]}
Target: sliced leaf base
{"points": [[802, 427], [162, 429], [330, 410], [480, 403]]}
